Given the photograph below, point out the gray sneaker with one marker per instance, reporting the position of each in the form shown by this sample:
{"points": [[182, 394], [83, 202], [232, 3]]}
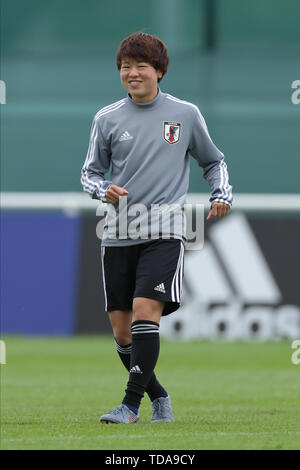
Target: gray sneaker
{"points": [[122, 414], [162, 410]]}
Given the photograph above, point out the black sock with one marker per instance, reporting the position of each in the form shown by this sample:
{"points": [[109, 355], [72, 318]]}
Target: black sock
{"points": [[143, 358], [154, 388]]}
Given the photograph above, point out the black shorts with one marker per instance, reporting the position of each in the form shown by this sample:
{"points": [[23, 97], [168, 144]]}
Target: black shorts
{"points": [[153, 270]]}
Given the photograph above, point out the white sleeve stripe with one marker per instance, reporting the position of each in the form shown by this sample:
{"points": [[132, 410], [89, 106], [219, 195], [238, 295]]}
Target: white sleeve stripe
{"points": [[90, 143], [114, 108], [222, 178], [218, 199], [92, 186], [94, 131], [224, 187], [110, 106], [86, 181], [92, 147], [88, 185], [221, 187]]}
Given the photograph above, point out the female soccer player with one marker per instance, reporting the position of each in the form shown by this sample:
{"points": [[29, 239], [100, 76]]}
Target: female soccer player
{"points": [[146, 139]]}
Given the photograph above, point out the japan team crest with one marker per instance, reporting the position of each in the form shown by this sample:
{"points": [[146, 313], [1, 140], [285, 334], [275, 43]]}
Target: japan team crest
{"points": [[172, 132]]}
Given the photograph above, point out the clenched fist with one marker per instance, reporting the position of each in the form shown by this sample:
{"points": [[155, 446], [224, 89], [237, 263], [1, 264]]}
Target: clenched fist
{"points": [[114, 193]]}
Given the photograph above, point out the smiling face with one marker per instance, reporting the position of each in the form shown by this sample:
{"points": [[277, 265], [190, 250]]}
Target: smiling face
{"points": [[139, 79]]}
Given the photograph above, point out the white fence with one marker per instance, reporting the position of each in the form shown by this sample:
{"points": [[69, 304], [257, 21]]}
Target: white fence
{"points": [[70, 202]]}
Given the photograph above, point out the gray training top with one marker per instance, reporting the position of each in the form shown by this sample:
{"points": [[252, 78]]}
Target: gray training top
{"points": [[147, 147]]}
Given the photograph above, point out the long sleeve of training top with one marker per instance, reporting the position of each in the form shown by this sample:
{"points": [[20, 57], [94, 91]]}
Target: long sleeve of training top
{"points": [[147, 148], [211, 159], [96, 164]]}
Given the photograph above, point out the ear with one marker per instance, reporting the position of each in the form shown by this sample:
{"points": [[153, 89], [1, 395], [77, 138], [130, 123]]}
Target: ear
{"points": [[159, 74]]}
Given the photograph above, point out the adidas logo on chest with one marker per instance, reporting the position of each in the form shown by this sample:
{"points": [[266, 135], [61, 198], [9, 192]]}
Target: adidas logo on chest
{"points": [[125, 136]]}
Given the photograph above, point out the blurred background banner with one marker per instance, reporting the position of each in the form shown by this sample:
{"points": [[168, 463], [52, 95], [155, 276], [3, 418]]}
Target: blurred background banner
{"points": [[238, 62]]}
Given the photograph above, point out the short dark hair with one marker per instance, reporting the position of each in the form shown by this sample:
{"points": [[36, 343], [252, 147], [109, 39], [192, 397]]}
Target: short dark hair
{"points": [[144, 47]]}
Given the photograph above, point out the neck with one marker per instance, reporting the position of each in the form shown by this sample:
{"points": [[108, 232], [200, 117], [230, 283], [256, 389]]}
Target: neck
{"points": [[144, 99]]}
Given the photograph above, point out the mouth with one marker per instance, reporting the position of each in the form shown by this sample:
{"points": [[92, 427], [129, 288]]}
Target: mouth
{"points": [[134, 83]]}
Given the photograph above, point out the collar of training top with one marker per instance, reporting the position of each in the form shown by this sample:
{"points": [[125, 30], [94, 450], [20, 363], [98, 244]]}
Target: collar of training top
{"points": [[156, 101]]}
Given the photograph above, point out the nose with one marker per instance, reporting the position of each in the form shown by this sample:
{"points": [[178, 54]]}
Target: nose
{"points": [[133, 72]]}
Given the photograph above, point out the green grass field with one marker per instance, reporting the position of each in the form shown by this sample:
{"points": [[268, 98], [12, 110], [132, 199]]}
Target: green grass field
{"points": [[225, 396]]}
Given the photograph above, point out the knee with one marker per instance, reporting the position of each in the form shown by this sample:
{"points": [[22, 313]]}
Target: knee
{"points": [[147, 310], [123, 337], [121, 326], [142, 315]]}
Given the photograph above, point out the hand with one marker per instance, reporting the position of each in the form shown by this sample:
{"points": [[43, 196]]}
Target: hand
{"points": [[114, 193], [218, 209]]}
